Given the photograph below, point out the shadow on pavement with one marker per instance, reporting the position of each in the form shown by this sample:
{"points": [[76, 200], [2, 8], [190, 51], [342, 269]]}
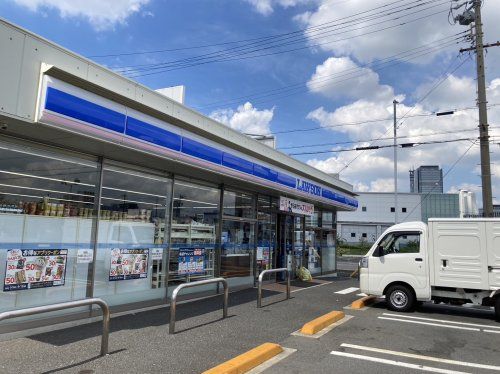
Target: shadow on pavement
{"points": [[444, 310], [157, 317], [80, 363]]}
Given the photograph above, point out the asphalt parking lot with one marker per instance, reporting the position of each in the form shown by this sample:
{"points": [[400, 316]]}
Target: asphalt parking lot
{"points": [[434, 338]]}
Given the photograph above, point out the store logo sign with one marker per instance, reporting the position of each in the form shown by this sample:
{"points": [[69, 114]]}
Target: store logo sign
{"points": [[296, 206], [308, 187]]}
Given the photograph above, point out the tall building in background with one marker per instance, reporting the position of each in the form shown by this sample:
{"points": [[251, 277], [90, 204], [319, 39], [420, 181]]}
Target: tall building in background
{"points": [[426, 179]]}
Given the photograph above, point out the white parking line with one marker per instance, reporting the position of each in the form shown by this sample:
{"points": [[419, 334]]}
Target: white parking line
{"points": [[348, 290], [396, 363], [429, 324], [441, 320], [422, 357], [361, 294], [308, 288], [493, 331]]}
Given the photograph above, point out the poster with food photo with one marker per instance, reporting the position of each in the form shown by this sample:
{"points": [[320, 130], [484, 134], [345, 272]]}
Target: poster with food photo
{"points": [[35, 268], [128, 264]]}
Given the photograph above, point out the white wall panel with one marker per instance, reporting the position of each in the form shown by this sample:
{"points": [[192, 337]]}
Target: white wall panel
{"points": [[11, 43]]}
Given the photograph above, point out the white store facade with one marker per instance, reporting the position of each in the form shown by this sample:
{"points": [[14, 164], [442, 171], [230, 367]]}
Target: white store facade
{"points": [[109, 189]]}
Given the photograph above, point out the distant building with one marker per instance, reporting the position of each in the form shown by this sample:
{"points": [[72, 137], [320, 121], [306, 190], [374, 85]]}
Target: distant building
{"points": [[376, 212], [426, 179], [496, 211]]}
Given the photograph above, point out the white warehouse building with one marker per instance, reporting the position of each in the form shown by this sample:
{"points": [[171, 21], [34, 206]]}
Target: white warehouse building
{"points": [[376, 212]]}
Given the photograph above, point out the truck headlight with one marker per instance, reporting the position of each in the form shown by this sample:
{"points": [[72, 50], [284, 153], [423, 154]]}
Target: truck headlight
{"points": [[363, 263]]}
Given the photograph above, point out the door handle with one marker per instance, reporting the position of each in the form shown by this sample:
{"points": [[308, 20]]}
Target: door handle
{"points": [[418, 259]]}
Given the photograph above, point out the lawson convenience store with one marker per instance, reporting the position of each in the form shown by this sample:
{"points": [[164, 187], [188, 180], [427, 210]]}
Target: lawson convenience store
{"points": [[109, 189]]}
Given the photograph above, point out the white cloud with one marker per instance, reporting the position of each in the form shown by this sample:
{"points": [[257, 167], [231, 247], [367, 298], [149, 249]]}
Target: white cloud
{"points": [[373, 170], [266, 7], [465, 186], [342, 77], [368, 45], [455, 92], [246, 119], [102, 14]]}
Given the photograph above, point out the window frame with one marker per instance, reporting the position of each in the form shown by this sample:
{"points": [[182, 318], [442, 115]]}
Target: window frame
{"points": [[398, 233]]}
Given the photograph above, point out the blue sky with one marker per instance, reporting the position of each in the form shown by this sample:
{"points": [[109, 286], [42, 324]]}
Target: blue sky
{"points": [[101, 27]]}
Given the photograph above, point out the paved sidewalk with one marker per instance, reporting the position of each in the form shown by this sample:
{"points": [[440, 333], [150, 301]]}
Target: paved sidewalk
{"points": [[141, 343]]}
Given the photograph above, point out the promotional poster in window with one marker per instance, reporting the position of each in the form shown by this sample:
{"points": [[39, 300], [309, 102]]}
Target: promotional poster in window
{"points": [[128, 264], [35, 268]]}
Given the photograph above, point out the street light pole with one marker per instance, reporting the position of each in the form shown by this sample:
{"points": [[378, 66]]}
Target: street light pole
{"points": [[394, 103]]}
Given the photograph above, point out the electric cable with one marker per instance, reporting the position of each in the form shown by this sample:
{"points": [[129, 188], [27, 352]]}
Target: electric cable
{"points": [[401, 57], [432, 89], [444, 176], [388, 138], [239, 41], [181, 64]]}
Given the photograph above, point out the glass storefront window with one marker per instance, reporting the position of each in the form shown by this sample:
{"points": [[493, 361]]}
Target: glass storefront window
{"points": [[313, 220], [238, 235], [238, 204], [313, 243], [329, 250], [266, 234], [46, 216], [299, 241], [237, 248], [327, 219], [195, 218], [131, 242]]}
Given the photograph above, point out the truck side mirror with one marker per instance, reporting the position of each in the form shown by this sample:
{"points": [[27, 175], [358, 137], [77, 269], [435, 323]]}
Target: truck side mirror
{"points": [[380, 251]]}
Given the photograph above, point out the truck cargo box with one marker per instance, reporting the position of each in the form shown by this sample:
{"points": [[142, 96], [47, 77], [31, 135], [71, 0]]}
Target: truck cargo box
{"points": [[464, 253]]}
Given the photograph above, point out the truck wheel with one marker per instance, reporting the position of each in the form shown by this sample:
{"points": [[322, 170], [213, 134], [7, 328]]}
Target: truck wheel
{"points": [[497, 308], [400, 298]]}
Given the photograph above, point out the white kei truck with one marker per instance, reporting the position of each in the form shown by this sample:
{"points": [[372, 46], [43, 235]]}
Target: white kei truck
{"points": [[448, 260]]}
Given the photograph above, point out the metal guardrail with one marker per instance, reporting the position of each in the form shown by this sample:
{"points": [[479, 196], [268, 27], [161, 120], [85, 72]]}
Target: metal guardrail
{"points": [[173, 302], [68, 305], [261, 277]]}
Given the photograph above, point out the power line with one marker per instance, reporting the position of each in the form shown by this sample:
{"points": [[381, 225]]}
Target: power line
{"points": [[243, 40], [223, 57], [393, 60], [441, 81], [388, 138], [375, 147], [444, 176], [164, 69], [344, 124], [255, 41]]}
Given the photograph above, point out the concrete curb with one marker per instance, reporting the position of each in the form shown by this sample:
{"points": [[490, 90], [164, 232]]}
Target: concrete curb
{"points": [[318, 324], [324, 331], [247, 360], [363, 302]]}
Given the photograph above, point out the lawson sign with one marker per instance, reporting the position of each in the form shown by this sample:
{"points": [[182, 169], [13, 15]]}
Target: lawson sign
{"points": [[73, 108]]}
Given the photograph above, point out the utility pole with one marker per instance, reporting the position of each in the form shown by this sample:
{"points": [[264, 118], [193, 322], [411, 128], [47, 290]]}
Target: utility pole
{"points": [[472, 14], [483, 115], [394, 103]]}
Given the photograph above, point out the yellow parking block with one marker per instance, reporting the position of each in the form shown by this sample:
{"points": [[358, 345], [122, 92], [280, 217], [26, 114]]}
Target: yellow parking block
{"points": [[247, 360], [318, 324], [364, 301]]}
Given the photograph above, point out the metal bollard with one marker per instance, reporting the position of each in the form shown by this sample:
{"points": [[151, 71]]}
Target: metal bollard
{"points": [[173, 302], [261, 278], [69, 305]]}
